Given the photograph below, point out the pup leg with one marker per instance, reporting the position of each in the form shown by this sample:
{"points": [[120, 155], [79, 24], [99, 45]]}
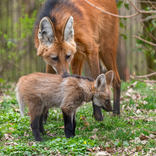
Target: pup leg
{"points": [[68, 125], [35, 128], [74, 123], [42, 117]]}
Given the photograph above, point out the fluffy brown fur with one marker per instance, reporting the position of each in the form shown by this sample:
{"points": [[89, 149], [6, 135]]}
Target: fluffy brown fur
{"points": [[42, 91]]}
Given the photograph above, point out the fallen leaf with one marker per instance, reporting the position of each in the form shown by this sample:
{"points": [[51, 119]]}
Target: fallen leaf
{"points": [[138, 111], [89, 149], [25, 134], [55, 111], [110, 150], [144, 142], [11, 143], [96, 149], [16, 110], [143, 137], [138, 148], [31, 143], [137, 140], [95, 130], [86, 123], [102, 153], [10, 128], [94, 137], [83, 118], [51, 134], [152, 136], [61, 127], [8, 137]]}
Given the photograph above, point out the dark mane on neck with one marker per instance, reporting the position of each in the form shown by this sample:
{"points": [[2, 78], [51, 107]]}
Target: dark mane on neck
{"points": [[66, 75]]}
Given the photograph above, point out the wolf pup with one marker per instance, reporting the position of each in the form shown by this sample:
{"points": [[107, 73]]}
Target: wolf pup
{"points": [[42, 91]]}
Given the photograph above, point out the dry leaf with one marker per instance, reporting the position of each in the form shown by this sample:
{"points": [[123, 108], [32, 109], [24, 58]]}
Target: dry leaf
{"points": [[51, 134], [102, 153], [8, 137], [110, 150], [143, 137], [25, 134], [16, 110], [152, 136], [10, 128], [89, 149], [83, 118], [55, 111], [138, 148], [11, 143], [31, 143], [95, 130], [137, 140], [86, 123], [144, 142], [94, 137], [61, 127]]}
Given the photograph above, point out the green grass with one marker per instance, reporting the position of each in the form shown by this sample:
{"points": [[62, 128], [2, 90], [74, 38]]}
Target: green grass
{"points": [[91, 136]]}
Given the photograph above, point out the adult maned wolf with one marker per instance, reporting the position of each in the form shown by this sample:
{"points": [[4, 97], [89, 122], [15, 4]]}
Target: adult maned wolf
{"points": [[71, 31], [41, 91]]}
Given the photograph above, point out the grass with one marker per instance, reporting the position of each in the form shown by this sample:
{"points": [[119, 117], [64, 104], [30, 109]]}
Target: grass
{"points": [[116, 135]]}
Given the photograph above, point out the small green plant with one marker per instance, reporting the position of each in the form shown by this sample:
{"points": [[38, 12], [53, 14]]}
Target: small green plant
{"points": [[114, 133]]}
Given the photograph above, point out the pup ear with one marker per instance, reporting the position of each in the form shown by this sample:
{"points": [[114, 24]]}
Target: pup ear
{"points": [[109, 77], [46, 31], [100, 82], [69, 30]]}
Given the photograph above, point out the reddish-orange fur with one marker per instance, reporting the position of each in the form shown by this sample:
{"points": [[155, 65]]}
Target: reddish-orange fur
{"points": [[95, 36]]}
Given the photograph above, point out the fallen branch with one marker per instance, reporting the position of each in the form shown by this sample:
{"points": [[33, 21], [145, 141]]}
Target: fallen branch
{"points": [[144, 40], [145, 76], [119, 16], [146, 81]]}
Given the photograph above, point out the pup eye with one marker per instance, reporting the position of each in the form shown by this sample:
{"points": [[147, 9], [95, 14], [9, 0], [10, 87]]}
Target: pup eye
{"points": [[55, 58], [67, 57]]}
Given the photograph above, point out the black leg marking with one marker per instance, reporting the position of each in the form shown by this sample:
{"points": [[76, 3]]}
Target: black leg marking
{"points": [[41, 128], [35, 128], [74, 123], [46, 116], [68, 125], [97, 113], [116, 104]]}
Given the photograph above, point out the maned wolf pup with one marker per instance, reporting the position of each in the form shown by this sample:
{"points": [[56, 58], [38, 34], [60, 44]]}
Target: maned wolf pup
{"points": [[42, 91]]}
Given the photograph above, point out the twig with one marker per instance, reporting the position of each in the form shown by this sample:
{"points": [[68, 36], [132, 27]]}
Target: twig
{"points": [[144, 40], [152, 4], [119, 16], [146, 2], [150, 70], [146, 81], [144, 27], [148, 18], [144, 76]]}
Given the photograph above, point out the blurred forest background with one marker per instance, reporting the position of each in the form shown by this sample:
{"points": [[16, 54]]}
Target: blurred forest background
{"points": [[18, 55]]}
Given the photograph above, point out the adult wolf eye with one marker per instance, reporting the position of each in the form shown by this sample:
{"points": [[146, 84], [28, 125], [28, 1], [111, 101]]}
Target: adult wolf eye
{"points": [[67, 57], [55, 58]]}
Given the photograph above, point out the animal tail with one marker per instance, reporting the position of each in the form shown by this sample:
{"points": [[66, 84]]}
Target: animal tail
{"points": [[20, 101]]}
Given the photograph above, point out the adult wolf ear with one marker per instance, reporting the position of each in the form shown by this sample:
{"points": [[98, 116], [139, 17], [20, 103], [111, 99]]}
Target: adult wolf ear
{"points": [[68, 32], [46, 32], [100, 82], [109, 77]]}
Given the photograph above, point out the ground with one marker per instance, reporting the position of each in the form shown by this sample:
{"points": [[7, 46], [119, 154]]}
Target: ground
{"points": [[133, 133]]}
